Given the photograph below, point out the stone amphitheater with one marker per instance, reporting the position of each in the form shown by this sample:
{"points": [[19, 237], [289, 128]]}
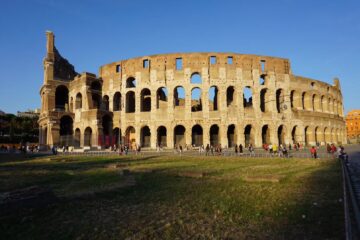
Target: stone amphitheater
{"points": [[187, 99]]}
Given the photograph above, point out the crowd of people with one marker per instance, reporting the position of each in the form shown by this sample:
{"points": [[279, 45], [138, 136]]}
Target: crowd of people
{"points": [[22, 148]]}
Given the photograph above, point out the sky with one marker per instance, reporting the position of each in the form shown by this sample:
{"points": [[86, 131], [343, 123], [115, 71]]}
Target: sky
{"points": [[321, 38]]}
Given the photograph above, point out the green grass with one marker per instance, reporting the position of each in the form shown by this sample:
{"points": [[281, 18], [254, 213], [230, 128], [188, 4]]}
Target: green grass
{"points": [[166, 198]]}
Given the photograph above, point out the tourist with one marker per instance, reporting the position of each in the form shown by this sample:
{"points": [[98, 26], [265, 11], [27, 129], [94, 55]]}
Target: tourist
{"points": [[251, 150], [241, 149], [313, 152], [328, 148], [271, 149], [207, 149], [236, 149], [343, 155]]}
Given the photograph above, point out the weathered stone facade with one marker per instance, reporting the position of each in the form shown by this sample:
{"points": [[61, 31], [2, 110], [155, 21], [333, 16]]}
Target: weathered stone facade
{"points": [[140, 101]]}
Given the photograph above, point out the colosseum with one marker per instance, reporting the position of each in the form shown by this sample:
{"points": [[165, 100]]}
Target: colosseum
{"points": [[187, 99]]}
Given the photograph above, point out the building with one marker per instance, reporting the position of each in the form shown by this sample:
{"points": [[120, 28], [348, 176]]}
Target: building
{"points": [[187, 99], [29, 113], [353, 125]]}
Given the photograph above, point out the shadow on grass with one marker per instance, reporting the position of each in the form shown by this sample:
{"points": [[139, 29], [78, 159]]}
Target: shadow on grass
{"points": [[165, 206]]}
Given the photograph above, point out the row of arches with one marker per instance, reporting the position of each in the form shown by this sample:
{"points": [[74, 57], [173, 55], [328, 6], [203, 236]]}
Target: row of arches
{"points": [[304, 100], [307, 135]]}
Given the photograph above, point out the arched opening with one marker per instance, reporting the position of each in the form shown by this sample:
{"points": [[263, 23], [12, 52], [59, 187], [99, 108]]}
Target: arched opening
{"points": [[161, 98], [107, 125], [130, 140], [145, 96], [88, 137], [247, 97], [262, 79], [296, 135], [330, 105], [213, 98], [116, 136], [230, 96], [263, 99], [130, 82], [117, 102], [214, 135], [179, 135], [327, 135], [145, 136], [281, 135], [130, 102], [280, 100], [106, 103], [197, 135], [66, 131], [96, 99], [308, 101], [322, 104], [179, 96], [78, 101], [61, 97], [161, 136], [318, 136], [231, 136], [96, 86], [303, 100], [265, 134], [196, 103], [307, 134], [292, 103], [77, 138], [196, 78], [249, 135]]}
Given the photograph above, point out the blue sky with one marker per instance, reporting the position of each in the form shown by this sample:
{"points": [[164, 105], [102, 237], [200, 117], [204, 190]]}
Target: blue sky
{"points": [[321, 38]]}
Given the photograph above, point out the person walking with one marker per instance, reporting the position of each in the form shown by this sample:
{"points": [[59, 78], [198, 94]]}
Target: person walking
{"points": [[313, 152]]}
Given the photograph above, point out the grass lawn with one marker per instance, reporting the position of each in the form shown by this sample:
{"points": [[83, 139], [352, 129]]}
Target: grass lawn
{"points": [[172, 197]]}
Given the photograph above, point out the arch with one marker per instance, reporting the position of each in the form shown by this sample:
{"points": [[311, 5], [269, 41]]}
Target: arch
{"points": [[231, 135], [249, 135], [96, 100], [179, 135], [107, 126], [330, 108], [307, 99], [66, 131], [327, 135], [116, 136], [323, 104], [316, 103], [247, 97], [88, 137], [230, 96], [318, 135], [196, 78], [281, 134], [280, 100], [96, 86], [262, 79], [131, 82], [117, 101], [161, 98], [196, 103], [145, 100], [214, 135], [162, 136], [130, 102], [61, 97], [265, 134], [77, 137], [213, 98], [307, 135], [264, 99], [179, 96], [145, 136], [105, 102], [296, 135], [130, 138], [196, 135], [78, 101]]}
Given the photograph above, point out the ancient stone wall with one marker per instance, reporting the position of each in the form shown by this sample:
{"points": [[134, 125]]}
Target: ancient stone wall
{"points": [[191, 99]]}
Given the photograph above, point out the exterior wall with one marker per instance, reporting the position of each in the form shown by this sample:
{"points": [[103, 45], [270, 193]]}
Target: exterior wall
{"points": [[307, 110], [353, 124]]}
